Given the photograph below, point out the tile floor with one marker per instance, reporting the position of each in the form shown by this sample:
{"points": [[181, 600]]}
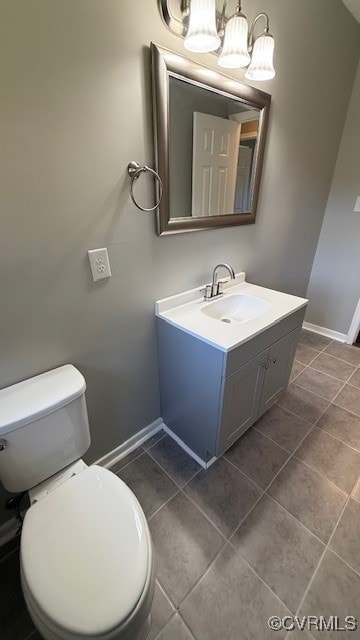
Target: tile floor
{"points": [[272, 528]]}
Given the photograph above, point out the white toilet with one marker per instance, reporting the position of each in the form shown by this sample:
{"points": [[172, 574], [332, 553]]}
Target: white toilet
{"points": [[86, 552]]}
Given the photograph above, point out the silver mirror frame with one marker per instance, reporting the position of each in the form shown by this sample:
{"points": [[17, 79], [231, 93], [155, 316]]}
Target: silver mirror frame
{"points": [[167, 63]]}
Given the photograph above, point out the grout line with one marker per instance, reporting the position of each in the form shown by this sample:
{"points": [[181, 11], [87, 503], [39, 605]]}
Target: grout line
{"points": [[321, 559], [351, 364], [269, 438], [325, 373], [168, 474], [274, 441], [163, 505], [174, 606], [293, 414], [165, 625], [315, 348], [346, 444], [203, 574], [203, 513], [297, 520], [260, 578], [242, 472], [154, 443], [130, 461], [329, 400], [353, 385]]}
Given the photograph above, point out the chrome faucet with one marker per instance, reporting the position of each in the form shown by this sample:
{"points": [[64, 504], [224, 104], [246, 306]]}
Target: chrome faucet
{"points": [[216, 288]]}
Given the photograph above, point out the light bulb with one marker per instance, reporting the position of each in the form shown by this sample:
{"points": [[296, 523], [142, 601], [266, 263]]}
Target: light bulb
{"points": [[235, 50], [202, 35], [261, 66]]}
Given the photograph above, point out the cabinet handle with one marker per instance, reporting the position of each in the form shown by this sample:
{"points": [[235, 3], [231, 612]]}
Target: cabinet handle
{"points": [[273, 360], [265, 365]]}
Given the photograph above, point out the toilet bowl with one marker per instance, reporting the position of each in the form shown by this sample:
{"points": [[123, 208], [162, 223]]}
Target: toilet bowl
{"points": [[86, 558]]}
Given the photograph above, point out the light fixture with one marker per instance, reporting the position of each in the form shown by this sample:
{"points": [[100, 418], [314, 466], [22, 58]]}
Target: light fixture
{"points": [[202, 36], [204, 30]]}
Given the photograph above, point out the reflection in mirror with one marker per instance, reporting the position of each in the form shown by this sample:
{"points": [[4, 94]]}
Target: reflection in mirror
{"points": [[219, 135], [209, 139]]}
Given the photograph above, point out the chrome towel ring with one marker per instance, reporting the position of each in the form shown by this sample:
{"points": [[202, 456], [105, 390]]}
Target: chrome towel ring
{"points": [[134, 170]]}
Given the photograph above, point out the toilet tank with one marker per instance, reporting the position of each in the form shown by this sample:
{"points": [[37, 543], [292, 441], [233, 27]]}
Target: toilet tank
{"points": [[43, 427]]}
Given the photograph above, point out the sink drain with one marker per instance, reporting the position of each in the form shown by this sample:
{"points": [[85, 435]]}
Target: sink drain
{"points": [[225, 320]]}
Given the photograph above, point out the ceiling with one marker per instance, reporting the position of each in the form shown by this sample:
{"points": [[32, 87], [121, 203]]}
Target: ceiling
{"points": [[354, 7]]}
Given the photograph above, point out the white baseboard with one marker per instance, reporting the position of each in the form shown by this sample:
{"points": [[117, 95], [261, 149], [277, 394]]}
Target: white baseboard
{"points": [[323, 331], [9, 528], [190, 452], [130, 445]]}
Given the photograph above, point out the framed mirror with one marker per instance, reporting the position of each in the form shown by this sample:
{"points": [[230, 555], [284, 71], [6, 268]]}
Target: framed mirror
{"points": [[210, 133]]}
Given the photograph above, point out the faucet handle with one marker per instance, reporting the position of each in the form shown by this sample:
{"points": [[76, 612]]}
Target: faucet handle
{"points": [[208, 292]]}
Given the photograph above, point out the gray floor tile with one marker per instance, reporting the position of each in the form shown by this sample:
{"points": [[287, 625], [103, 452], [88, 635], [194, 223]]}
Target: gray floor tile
{"points": [[349, 398], [305, 354], [258, 457], [314, 340], [341, 424], [230, 602], [178, 464], [344, 352], [176, 630], [151, 441], [355, 379], [185, 543], [280, 550], [285, 428], [303, 403], [320, 383], [346, 540], [314, 500], [298, 635], [335, 591], [161, 612], [15, 622], [224, 494], [150, 484], [333, 366], [332, 458], [297, 368], [120, 464]]}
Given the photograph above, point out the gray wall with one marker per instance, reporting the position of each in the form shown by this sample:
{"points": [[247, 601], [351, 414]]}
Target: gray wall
{"points": [[334, 288], [75, 109]]}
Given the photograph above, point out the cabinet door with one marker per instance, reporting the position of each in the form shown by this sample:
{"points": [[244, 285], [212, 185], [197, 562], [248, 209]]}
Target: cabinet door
{"points": [[281, 357], [241, 392]]}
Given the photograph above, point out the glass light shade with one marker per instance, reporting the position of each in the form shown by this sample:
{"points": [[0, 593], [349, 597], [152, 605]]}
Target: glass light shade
{"points": [[202, 35], [261, 66], [235, 50]]}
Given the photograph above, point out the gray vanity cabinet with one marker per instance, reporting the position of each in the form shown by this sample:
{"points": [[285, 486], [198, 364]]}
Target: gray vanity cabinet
{"points": [[240, 400], [210, 397], [278, 369], [251, 390]]}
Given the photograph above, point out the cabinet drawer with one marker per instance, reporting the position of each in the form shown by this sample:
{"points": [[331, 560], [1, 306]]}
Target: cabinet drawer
{"points": [[242, 354]]}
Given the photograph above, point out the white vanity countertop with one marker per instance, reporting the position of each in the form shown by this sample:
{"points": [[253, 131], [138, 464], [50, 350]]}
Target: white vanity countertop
{"points": [[184, 311]]}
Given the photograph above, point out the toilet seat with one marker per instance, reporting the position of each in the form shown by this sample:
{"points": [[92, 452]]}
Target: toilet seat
{"points": [[86, 556]]}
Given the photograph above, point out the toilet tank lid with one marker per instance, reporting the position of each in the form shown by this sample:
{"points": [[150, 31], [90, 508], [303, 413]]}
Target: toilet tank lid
{"points": [[36, 397]]}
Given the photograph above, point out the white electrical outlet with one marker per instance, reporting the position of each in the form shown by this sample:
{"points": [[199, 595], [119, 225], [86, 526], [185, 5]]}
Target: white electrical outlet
{"points": [[99, 263], [357, 205]]}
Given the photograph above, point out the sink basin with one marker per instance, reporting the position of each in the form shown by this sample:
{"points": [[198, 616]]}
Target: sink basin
{"points": [[236, 308]]}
